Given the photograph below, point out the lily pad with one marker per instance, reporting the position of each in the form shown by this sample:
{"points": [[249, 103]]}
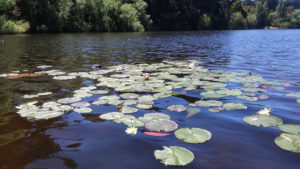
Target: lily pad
{"points": [[144, 106], [146, 98], [129, 96], [208, 103], [152, 116], [129, 110], [130, 121], [262, 120], [69, 100], [248, 98], [290, 128], [80, 104], [233, 106], [289, 142], [193, 135], [100, 102], [83, 110], [112, 116], [177, 108], [174, 156], [159, 125], [211, 94]]}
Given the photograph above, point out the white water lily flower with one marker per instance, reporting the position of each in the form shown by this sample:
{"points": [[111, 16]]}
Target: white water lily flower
{"points": [[265, 111], [191, 66], [131, 130]]}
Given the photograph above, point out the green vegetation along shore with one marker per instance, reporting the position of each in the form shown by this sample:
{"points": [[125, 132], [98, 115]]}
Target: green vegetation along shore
{"points": [[18, 16]]}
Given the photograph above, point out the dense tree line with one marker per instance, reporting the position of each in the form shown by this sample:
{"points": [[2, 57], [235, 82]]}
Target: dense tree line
{"points": [[143, 15]]}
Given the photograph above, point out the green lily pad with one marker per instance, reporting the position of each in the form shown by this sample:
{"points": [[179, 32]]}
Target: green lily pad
{"points": [[69, 100], [177, 108], [152, 116], [100, 102], [130, 121], [146, 98], [262, 120], [112, 116], [99, 92], [174, 156], [161, 125], [208, 103], [229, 92], [289, 142], [129, 110], [211, 94], [290, 128], [144, 106], [193, 135], [114, 102], [83, 110], [247, 98], [81, 104], [233, 106], [130, 102], [129, 96], [298, 100]]}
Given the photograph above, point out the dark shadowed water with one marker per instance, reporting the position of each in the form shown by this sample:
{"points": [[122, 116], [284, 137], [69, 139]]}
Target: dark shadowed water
{"points": [[84, 141]]}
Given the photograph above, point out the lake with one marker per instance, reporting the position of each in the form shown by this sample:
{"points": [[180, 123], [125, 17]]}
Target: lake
{"points": [[85, 141]]}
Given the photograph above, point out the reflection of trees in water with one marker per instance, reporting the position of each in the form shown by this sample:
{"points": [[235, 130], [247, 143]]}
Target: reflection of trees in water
{"points": [[24, 146]]}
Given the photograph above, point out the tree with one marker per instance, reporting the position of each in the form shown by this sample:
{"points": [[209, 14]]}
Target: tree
{"points": [[237, 21]]}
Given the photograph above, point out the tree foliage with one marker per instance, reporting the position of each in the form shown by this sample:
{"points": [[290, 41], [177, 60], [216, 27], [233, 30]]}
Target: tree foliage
{"points": [[144, 15]]}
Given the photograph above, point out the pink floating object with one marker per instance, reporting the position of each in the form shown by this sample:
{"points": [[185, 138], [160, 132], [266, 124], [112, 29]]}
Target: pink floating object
{"points": [[150, 133]]}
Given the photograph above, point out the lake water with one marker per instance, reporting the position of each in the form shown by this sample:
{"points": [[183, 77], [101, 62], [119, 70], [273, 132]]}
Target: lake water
{"points": [[84, 141]]}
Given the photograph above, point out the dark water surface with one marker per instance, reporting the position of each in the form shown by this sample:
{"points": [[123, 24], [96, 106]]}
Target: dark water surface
{"points": [[84, 141]]}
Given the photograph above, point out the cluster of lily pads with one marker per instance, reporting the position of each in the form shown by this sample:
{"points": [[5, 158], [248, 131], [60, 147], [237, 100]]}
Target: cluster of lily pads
{"points": [[131, 87]]}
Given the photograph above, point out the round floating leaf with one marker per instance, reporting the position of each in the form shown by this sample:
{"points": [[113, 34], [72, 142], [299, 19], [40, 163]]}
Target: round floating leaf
{"points": [[208, 103], [146, 98], [211, 94], [150, 102], [83, 110], [129, 110], [174, 156], [99, 92], [80, 104], [130, 121], [290, 128], [64, 77], [46, 114], [262, 120], [130, 102], [193, 135], [152, 116], [289, 142], [233, 106], [177, 108], [69, 100], [112, 116], [114, 102], [129, 96], [100, 102], [161, 125], [247, 98], [298, 100], [144, 106]]}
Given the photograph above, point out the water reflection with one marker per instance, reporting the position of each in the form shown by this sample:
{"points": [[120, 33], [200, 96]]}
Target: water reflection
{"points": [[85, 141]]}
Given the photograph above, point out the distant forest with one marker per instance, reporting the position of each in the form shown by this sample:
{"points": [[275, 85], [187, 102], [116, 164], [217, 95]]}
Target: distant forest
{"points": [[17, 16]]}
